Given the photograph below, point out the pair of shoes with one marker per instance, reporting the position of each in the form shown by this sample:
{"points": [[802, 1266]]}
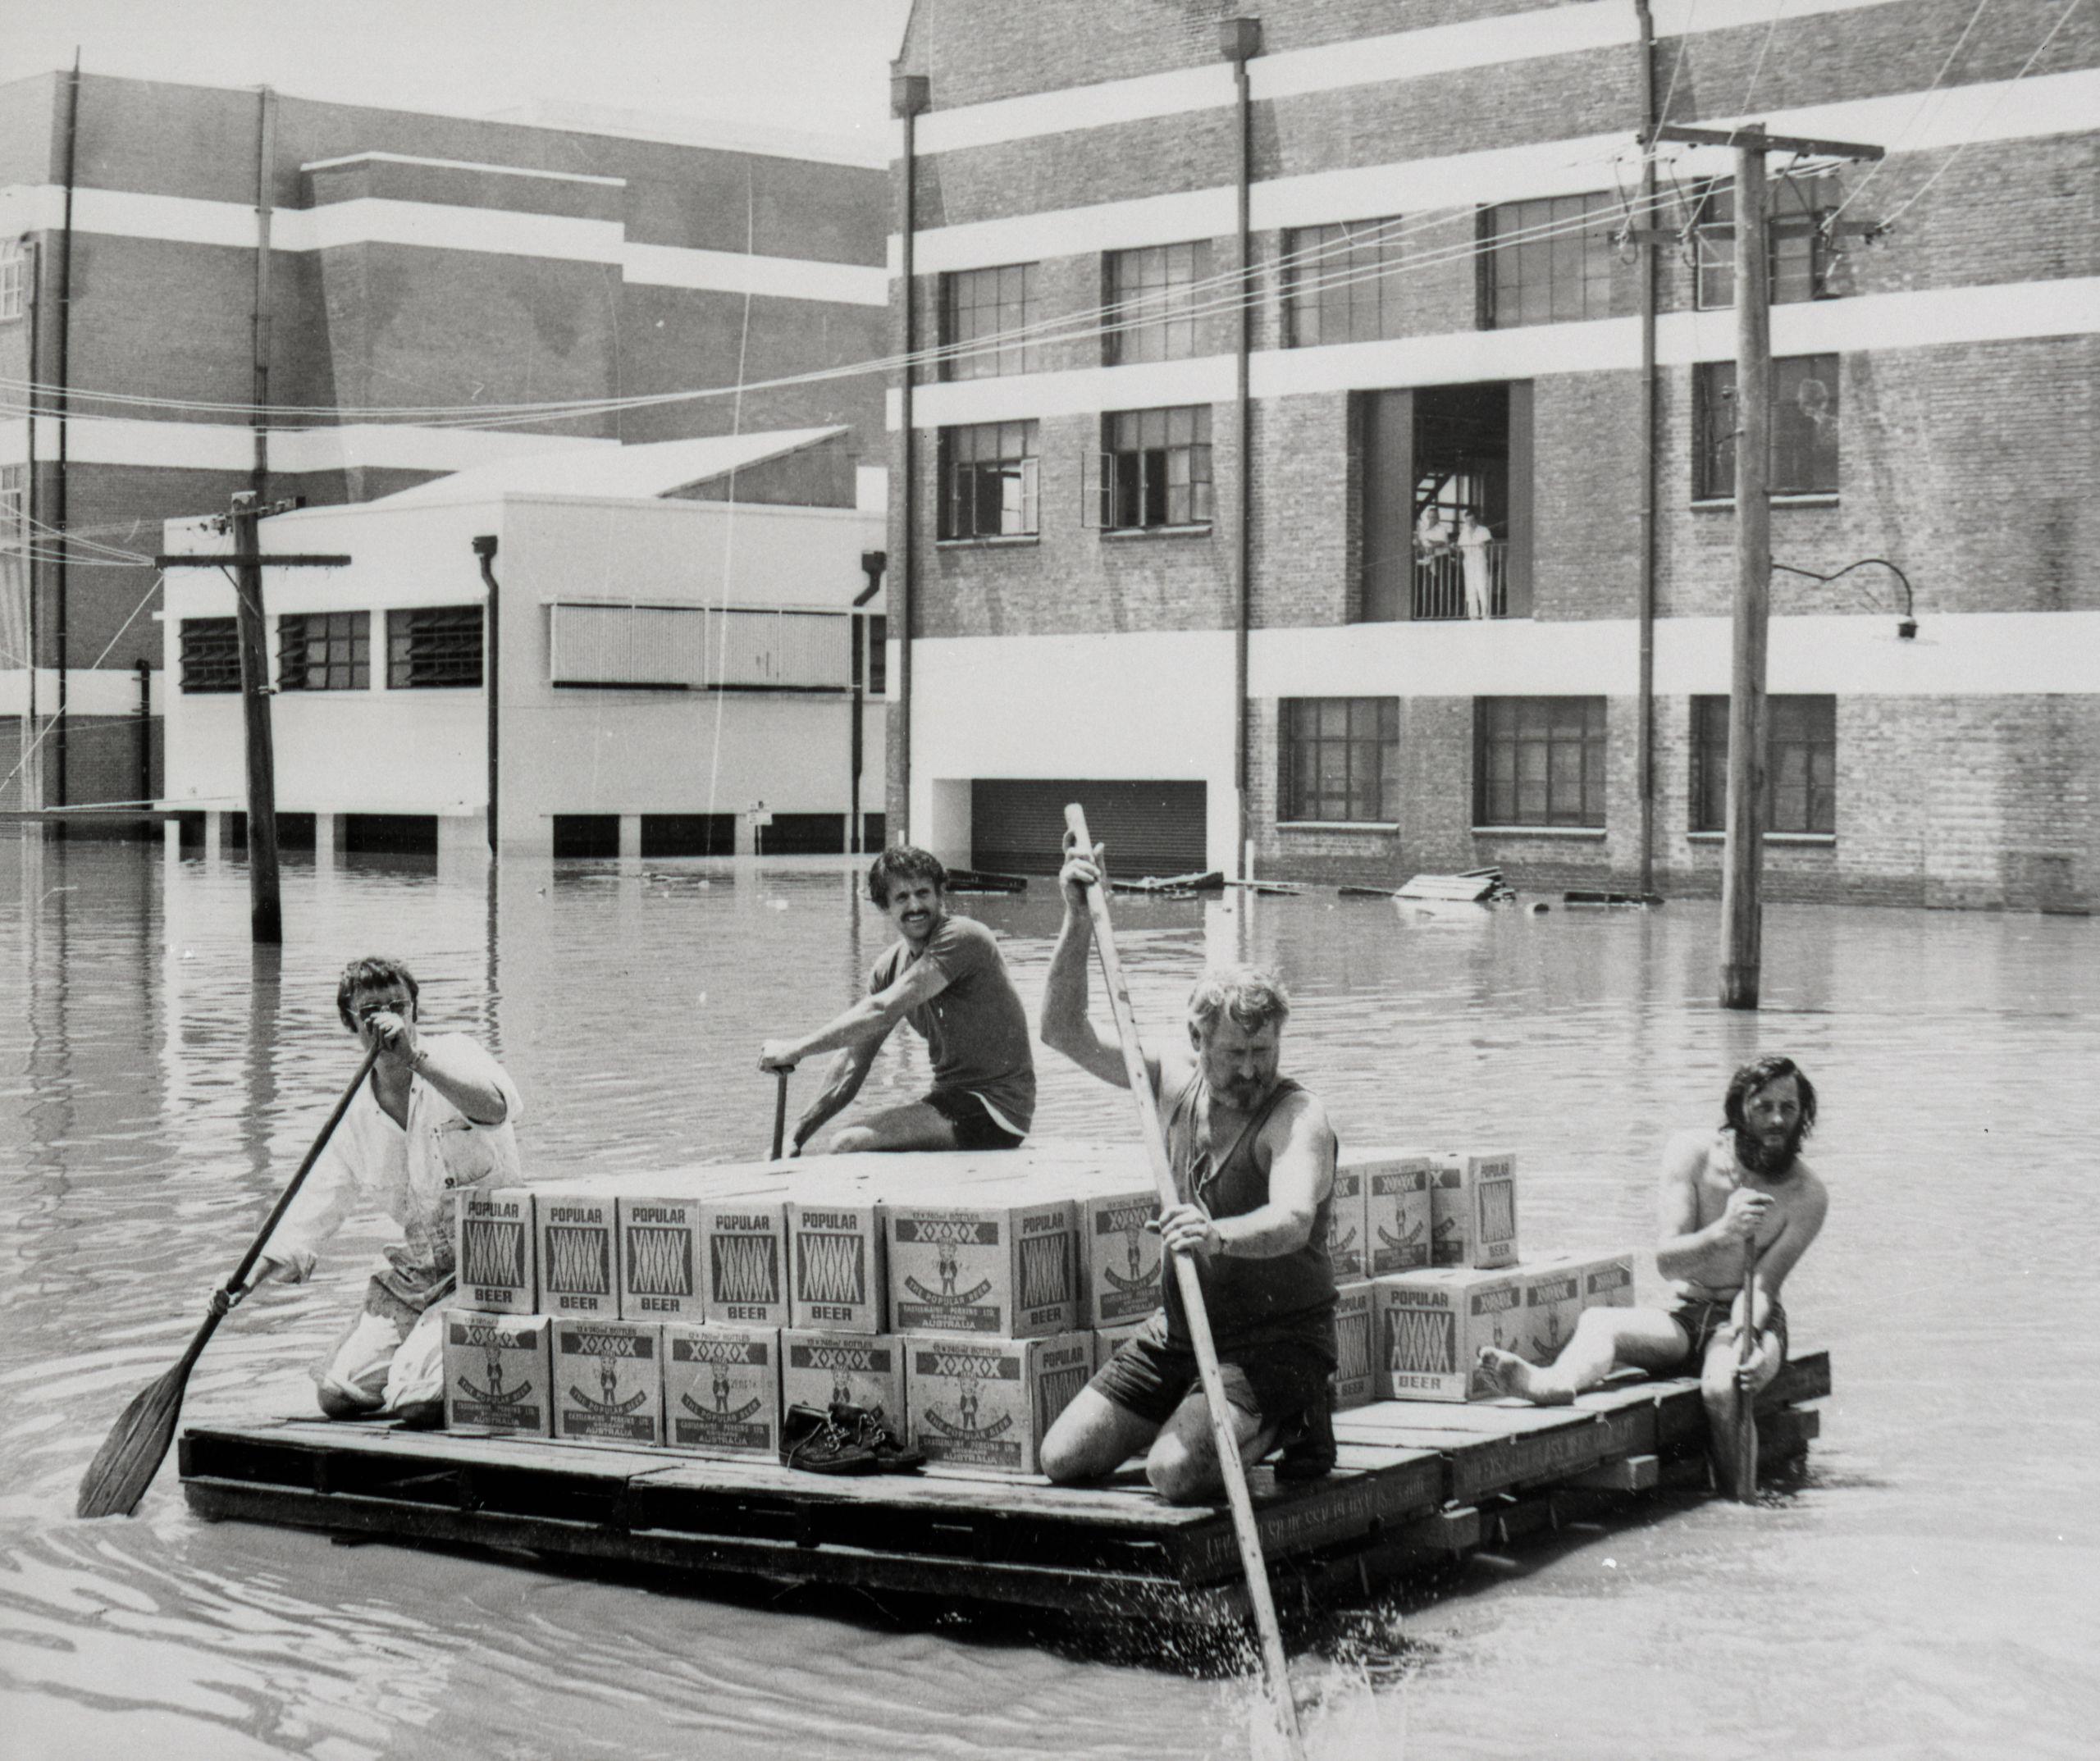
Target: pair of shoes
{"points": [[869, 1429], [812, 1440], [1308, 1443]]}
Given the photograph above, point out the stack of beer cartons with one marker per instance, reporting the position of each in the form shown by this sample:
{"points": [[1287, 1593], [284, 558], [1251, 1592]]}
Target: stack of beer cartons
{"points": [[1557, 1287], [983, 1290], [1378, 1223], [495, 1341], [1429, 1323], [838, 1344], [1117, 1207]]}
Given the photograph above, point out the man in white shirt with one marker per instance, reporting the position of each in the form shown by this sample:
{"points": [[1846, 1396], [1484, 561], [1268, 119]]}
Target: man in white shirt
{"points": [[437, 1114]]}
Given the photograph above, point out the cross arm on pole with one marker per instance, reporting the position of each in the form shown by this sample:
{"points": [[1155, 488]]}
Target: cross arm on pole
{"points": [[254, 559], [1753, 134]]}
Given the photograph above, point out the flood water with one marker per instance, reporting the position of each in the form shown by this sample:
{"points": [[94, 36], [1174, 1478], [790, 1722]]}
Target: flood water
{"points": [[1929, 1590]]}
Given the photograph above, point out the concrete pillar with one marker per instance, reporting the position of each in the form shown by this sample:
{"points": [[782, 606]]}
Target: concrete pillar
{"points": [[327, 830], [630, 834], [215, 836]]}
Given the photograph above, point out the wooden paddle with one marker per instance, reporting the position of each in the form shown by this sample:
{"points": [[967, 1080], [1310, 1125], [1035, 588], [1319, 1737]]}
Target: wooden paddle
{"points": [[125, 1466], [1275, 1664], [1745, 1440], [780, 1115]]}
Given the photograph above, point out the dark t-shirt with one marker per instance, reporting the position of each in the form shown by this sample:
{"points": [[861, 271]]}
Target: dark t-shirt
{"points": [[976, 1029]]}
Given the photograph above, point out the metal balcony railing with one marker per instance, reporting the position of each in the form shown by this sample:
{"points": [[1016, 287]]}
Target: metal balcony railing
{"points": [[1440, 586]]}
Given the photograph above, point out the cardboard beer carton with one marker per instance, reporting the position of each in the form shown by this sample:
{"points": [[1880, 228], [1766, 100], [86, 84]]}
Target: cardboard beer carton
{"points": [[863, 1369], [1553, 1301], [496, 1373], [608, 1380], [1348, 1230], [1354, 1381], [960, 1264], [744, 1261], [659, 1258], [492, 1247], [989, 1402], [1108, 1341], [722, 1388], [1607, 1279], [579, 1252], [838, 1263], [1472, 1209], [1428, 1327], [1119, 1256], [1396, 1210]]}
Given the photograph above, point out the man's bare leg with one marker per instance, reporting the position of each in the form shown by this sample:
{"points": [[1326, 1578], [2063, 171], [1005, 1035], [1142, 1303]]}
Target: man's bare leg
{"points": [[1645, 1338], [913, 1125], [1092, 1436], [1723, 1397], [1183, 1466]]}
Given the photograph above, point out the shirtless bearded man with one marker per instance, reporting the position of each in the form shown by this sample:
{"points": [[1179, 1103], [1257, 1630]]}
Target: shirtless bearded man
{"points": [[1718, 1193]]}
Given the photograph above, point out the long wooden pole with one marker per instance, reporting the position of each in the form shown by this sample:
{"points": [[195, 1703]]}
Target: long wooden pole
{"points": [[1742, 909], [265, 914], [1275, 1663], [1745, 1440]]}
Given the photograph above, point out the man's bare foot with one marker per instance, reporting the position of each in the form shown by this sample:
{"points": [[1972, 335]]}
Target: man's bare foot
{"points": [[1513, 1375]]}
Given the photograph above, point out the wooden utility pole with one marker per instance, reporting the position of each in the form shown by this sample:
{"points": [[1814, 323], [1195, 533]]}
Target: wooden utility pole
{"points": [[265, 912], [1742, 904]]}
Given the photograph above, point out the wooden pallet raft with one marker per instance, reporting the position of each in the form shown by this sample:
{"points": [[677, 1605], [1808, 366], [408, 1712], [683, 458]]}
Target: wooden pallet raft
{"points": [[1418, 1482]]}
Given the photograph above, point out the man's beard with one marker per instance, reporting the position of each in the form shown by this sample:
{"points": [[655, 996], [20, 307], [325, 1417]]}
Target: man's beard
{"points": [[1771, 1161]]}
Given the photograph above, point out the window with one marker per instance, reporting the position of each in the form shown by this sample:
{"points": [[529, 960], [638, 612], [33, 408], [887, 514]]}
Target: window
{"points": [[876, 635], [987, 321], [1804, 427], [1797, 252], [433, 646], [1547, 262], [1801, 755], [14, 504], [1156, 469], [1341, 283], [1540, 761], [987, 481], [325, 651], [1150, 300], [14, 278], [210, 655], [1338, 757]]}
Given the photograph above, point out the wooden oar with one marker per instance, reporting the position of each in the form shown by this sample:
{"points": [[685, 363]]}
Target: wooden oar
{"points": [[125, 1466], [779, 1114], [1745, 1440], [1275, 1664]]}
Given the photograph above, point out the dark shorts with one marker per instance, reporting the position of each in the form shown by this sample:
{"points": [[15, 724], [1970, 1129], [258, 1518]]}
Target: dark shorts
{"points": [[1271, 1381], [1701, 1320], [974, 1127]]}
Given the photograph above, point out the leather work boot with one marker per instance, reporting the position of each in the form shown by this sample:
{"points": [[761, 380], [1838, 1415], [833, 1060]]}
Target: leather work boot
{"points": [[866, 1423], [816, 1443], [1308, 1443]]}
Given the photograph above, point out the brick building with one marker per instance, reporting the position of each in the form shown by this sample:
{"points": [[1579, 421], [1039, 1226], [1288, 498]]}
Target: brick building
{"points": [[1223, 577], [393, 285]]}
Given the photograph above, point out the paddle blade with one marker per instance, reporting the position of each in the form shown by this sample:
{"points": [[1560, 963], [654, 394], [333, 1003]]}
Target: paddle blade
{"points": [[1745, 1474], [125, 1466]]}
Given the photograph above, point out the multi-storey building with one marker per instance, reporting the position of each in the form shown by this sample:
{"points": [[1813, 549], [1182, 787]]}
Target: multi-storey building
{"points": [[403, 295], [1322, 461]]}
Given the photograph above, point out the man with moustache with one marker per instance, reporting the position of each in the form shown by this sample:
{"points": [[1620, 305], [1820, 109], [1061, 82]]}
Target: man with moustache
{"points": [[1720, 1191], [1253, 1162], [946, 976]]}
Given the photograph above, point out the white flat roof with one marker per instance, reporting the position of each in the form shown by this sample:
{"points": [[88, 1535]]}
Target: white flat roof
{"points": [[640, 472]]}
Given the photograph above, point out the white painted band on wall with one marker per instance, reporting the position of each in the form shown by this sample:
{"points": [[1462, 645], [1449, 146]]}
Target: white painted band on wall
{"points": [[460, 165], [779, 277], [228, 446]]}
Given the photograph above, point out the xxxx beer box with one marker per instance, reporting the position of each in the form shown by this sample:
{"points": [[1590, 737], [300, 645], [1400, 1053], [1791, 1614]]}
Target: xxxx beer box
{"points": [[1396, 1210], [989, 1402], [1552, 1303], [744, 1261], [862, 1369], [493, 1250], [837, 1264], [1001, 1271], [609, 1381], [1108, 1341], [1354, 1383], [496, 1373], [1348, 1236], [579, 1254], [659, 1256], [1472, 1209], [1119, 1257], [1427, 1328], [722, 1388]]}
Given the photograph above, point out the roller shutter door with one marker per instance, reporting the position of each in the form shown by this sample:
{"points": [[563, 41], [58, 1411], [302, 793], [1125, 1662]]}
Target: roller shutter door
{"points": [[1155, 828]]}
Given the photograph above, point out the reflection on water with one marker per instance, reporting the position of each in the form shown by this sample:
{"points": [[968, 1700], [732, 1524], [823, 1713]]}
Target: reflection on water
{"points": [[1926, 1591]]}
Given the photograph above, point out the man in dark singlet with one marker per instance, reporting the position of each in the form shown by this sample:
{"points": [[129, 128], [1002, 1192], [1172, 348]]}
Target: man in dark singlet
{"points": [[946, 976], [1718, 1192], [1254, 1160]]}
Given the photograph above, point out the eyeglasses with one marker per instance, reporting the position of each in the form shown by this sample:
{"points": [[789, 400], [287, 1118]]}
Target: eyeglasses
{"points": [[388, 1006]]}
